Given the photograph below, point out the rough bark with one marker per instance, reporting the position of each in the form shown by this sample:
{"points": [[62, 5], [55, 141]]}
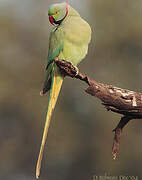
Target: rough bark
{"points": [[125, 102]]}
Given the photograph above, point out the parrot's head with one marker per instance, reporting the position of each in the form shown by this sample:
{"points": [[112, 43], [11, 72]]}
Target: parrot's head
{"points": [[58, 12]]}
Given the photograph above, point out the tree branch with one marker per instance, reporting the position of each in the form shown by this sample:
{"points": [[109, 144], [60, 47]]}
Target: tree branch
{"points": [[118, 130], [118, 100]]}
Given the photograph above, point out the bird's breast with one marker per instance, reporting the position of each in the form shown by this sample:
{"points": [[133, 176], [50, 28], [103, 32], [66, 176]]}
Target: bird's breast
{"points": [[77, 35]]}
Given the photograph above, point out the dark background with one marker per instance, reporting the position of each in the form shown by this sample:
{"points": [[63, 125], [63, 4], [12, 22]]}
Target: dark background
{"points": [[80, 138]]}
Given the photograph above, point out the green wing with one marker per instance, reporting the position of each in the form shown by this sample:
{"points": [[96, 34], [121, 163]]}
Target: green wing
{"points": [[55, 44], [55, 50]]}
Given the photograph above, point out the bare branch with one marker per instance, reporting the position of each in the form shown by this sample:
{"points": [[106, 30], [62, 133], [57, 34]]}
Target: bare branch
{"points": [[118, 130], [118, 100]]}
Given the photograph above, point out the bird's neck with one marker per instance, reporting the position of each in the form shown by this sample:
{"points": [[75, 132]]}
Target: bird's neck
{"points": [[73, 12]]}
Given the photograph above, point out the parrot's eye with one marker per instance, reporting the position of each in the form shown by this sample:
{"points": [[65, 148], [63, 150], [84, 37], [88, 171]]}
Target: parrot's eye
{"points": [[56, 12]]}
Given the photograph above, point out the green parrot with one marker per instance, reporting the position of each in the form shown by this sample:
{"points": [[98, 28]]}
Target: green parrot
{"points": [[68, 40]]}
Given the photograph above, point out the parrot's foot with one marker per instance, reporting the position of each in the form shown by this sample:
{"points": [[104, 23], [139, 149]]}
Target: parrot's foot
{"points": [[67, 67], [76, 69], [56, 59]]}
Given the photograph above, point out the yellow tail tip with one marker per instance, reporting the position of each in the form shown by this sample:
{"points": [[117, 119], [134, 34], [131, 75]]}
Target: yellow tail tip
{"points": [[37, 174], [38, 170]]}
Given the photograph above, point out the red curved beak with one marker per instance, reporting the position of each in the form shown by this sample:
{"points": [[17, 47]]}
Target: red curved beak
{"points": [[51, 19]]}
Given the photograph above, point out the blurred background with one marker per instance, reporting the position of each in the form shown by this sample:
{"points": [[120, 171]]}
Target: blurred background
{"points": [[80, 137]]}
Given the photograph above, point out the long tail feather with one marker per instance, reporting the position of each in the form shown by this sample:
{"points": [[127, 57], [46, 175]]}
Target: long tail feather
{"points": [[56, 84]]}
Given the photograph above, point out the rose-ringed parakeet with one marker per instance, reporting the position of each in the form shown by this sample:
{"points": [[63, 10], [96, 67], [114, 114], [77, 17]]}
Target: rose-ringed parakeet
{"points": [[68, 40]]}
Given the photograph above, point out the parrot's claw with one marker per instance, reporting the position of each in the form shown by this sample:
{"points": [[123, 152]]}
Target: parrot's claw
{"points": [[76, 69], [56, 59]]}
